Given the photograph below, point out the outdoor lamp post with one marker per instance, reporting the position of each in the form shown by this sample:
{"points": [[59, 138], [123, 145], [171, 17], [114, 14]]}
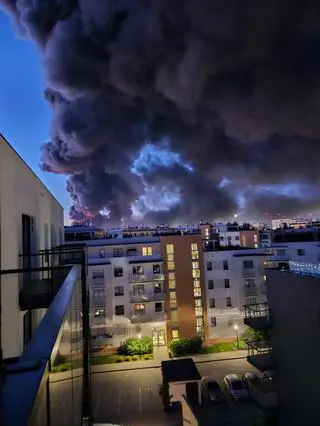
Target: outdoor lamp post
{"points": [[236, 329]]}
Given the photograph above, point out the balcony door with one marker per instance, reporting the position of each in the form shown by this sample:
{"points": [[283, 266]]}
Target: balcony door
{"points": [[158, 336]]}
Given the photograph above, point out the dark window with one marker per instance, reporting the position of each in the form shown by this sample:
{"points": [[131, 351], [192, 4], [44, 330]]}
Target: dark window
{"points": [[281, 252], [98, 273], [237, 238], [102, 253], [226, 283], [213, 321], [210, 284], [118, 272], [118, 290], [132, 252], [301, 252], [117, 252], [158, 307], [225, 265], [138, 289], [249, 282], [137, 270], [228, 302], [247, 264], [156, 269], [221, 238], [212, 303], [209, 266], [157, 288], [119, 309]]}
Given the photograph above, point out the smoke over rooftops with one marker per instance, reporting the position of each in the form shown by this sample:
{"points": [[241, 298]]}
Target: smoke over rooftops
{"points": [[232, 87]]}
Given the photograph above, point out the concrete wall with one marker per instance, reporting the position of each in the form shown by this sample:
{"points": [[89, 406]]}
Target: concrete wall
{"points": [[294, 301], [21, 192], [227, 317]]}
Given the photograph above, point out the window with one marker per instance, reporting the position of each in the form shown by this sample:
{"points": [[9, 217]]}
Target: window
{"points": [[195, 265], [99, 313], [173, 304], [138, 289], [157, 288], [212, 303], [281, 252], [196, 273], [147, 251], [170, 248], [174, 334], [137, 270], [102, 253], [198, 311], [118, 290], [172, 283], [197, 292], [170, 257], [249, 282], [229, 239], [98, 292], [198, 303], [210, 284], [194, 247], [301, 252], [98, 273], [117, 252], [199, 321], [118, 272], [213, 321], [171, 276], [225, 265], [172, 295], [209, 266], [221, 238], [158, 307], [237, 238], [171, 266], [119, 309], [156, 269], [247, 264], [196, 283], [251, 301], [139, 308], [226, 283], [195, 255], [228, 302]]}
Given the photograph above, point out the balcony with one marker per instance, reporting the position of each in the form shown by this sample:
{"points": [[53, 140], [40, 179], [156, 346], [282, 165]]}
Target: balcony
{"points": [[250, 291], [146, 317], [260, 355], [147, 297], [249, 272], [257, 316], [145, 278]]}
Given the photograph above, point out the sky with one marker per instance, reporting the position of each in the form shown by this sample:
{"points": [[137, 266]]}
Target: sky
{"points": [[24, 114]]}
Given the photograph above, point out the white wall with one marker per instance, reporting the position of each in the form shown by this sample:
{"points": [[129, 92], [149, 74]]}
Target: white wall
{"points": [[227, 317], [289, 251], [21, 192]]}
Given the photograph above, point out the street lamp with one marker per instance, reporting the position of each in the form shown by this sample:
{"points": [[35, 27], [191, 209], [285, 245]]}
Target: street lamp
{"points": [[236, 329]]}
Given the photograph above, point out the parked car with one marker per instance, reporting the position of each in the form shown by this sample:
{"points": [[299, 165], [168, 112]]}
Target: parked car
{"points": [[247, 378], [235, 387], [211, 389]]}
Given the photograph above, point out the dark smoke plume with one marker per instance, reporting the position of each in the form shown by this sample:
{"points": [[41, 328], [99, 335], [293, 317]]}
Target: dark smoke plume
{"points": [[233, 86]]}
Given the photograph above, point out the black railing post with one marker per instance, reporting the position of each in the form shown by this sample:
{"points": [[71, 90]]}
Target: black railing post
{"points": [[86, 407]]}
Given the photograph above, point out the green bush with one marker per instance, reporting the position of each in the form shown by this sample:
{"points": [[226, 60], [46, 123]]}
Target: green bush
{"points": [[252, 334], [185, 346], [134, 358], [135, 346], [127, 359]]}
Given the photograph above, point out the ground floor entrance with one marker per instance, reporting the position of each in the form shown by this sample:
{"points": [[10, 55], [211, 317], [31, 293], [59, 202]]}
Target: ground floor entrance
{"points": [[158, 336]]}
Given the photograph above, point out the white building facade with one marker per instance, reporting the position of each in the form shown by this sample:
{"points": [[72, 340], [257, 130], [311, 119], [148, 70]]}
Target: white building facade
{"points": [[31, 219], [233, 278]]}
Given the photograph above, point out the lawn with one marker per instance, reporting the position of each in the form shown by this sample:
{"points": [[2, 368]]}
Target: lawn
{"points": [[223, 347]]}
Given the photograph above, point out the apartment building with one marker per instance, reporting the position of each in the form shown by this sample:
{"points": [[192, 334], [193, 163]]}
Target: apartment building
{"points": [[31, 219], [232, 234], [234, 278]]}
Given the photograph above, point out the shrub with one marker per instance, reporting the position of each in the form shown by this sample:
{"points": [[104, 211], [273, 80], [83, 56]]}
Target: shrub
{"points": [[127, 359], [134, 358], [135, 346], [118, 360], [185, 346]]}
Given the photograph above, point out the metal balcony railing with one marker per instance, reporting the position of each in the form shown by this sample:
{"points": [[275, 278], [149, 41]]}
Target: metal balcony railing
{"points": [[250, 291], [260, 355], [257, 316], [144, 278], [147, 297], [148, 317]]}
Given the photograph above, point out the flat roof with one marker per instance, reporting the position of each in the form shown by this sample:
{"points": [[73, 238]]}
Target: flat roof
{"points": [[180, 370], [123, 241]]}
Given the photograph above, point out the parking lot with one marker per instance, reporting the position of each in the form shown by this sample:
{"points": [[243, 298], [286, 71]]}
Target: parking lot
{"points": [[132, 398]]}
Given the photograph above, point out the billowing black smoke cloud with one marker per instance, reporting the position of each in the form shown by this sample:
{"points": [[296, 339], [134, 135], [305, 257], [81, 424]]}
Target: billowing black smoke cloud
{"points": [[232, 85]]}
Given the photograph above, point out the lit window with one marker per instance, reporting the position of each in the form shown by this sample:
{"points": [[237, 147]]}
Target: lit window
{"points": [[170, 248], [195, 265], [199, 321], [194, 247], [173, 303], [172, 283], [170, 257], [175, 334], [170, 266], [200, 330], [265, 277], [173, 295], [198, 303], [195, 255], [146, 251], [196, 283], [139, 308], [196, 273], [171, 275], [255, 238], [198, 311], [197, 292]]}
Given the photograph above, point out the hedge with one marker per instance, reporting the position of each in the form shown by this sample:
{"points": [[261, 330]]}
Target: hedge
{"points": [[186, 346], [135, 346]]}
